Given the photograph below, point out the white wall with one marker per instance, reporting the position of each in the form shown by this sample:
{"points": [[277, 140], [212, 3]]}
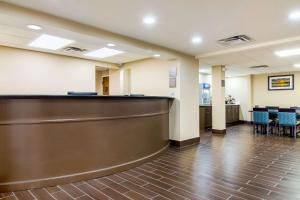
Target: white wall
{"points": [[29, 72], [240, 89]]}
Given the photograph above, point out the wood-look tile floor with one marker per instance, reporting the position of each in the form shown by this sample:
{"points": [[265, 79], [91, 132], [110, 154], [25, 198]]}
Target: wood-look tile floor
{"points": [[236, 166]]}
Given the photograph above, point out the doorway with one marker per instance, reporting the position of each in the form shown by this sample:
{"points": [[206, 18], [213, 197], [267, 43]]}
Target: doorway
{"points": [[105, 85]]}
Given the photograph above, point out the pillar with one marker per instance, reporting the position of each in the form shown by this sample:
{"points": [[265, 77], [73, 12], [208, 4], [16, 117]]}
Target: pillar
{"points": [[218, 99]]}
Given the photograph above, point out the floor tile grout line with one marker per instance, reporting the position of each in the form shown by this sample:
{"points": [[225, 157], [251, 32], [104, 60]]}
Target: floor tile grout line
{"points": [[65, 191], [100, 190], [166, 190], [82, 190], [141, 187], [50, 194], [32, 194]]}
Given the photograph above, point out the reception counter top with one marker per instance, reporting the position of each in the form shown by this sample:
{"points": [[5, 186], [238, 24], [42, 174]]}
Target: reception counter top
{"points": [[81, 97], [52, 139]]}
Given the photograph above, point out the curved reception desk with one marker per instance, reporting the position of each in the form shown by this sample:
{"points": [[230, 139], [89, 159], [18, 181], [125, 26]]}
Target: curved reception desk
{"points": [[49, 140]]}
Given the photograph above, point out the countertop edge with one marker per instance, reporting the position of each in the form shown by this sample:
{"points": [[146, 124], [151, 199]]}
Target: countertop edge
{"points": [[80, 97]]}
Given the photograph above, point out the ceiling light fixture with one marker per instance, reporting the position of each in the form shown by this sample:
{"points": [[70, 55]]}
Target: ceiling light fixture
{"points": [[34, 27], [149, 20], [103, 53], [196, 40], [297, 65], [111, 45], [290, 52], [156, 55], [295, 15], [50, 42]]}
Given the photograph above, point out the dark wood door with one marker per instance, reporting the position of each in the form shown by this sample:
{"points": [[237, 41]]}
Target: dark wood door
{"points": [[105, 85]]}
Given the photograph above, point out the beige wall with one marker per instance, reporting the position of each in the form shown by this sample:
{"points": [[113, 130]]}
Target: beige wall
{"points": [[189, 98], [150, 76], [240, 89], [218, 98], [283, 98], [115, 82], [253, 90], [30, 72]]}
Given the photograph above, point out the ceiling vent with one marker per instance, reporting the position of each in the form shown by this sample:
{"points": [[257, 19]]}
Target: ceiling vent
{"points": [[74, 50], [235, 40], [259, 67]]}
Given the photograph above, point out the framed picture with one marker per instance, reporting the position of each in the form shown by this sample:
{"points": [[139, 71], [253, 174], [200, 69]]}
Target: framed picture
{"points": [[284, 82]]}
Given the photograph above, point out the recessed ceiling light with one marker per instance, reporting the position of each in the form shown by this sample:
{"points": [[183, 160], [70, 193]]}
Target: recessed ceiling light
{"points": [[290, 52], [149, 20], [34, 27], [156, 55], [196, 40], [111, 45], [297, 65], [295, 15], [103, 53], [50, 42]]}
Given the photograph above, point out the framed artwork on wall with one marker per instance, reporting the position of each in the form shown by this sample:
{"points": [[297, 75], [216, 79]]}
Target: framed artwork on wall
{"points": [[283, 82]]}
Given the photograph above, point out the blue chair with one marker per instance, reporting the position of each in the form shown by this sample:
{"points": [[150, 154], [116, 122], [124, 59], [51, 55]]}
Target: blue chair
{"points": [[288, 118], [273, 112], [298, 111], [261, 118]]}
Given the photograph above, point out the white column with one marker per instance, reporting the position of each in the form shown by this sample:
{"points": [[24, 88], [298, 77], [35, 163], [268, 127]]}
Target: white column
{"points": [[218, 99], [184, 113]]}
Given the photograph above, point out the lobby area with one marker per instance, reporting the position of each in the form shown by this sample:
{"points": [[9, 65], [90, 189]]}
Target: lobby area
{"points": [[154, 100]]}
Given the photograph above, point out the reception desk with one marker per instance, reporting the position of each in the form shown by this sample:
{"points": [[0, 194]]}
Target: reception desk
{"points": [[49, 140]]}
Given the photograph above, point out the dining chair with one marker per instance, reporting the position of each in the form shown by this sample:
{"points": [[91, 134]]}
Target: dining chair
{"points": [[297, 111], [287, 117], [261, 118], [273, 112]]}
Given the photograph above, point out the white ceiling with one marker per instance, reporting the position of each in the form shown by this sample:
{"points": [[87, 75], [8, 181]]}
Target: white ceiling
{"points": [[21, 37], [179, 20], [14, 33], [238, 63]]}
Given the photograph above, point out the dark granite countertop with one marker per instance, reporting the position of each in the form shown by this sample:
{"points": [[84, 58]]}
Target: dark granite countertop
{"points": [[80, 97]]}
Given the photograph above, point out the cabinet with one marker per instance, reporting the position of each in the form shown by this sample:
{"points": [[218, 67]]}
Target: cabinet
{"points": [[232, 113], [205, 114]]}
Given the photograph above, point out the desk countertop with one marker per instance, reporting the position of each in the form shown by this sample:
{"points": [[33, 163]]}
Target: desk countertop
{"points": [[80, 97]]}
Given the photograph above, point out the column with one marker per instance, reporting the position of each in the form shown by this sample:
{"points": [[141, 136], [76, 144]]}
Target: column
{"points": [[218, 99]]}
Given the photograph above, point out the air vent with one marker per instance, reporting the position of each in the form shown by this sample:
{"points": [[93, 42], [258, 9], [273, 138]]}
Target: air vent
{"points": [[259, 67], [74, 49], [235, 40]]}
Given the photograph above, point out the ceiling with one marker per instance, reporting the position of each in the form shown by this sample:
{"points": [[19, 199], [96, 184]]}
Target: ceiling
{"points": [[20, 38], [238, 63], [14, 33], [177, 22]]}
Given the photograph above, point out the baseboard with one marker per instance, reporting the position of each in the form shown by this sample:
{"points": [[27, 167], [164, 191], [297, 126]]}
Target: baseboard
{"points": [[185, 143], [246, 122], [217, 131]]}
